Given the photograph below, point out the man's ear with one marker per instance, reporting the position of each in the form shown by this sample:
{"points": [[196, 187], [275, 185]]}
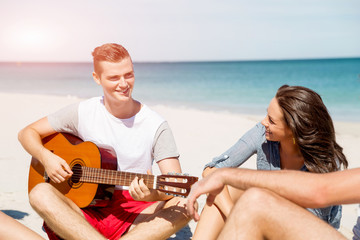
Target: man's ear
{"points": [[96, 78]]}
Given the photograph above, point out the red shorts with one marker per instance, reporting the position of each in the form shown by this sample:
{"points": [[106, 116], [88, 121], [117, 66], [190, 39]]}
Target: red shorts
{"points": [[114, 220]]}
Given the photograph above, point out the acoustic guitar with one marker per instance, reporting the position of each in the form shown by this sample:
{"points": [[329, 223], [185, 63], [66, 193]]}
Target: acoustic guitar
{"points": [[95, 172]]}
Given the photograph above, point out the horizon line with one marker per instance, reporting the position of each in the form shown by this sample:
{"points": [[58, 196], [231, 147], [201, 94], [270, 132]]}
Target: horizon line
{"points": [[198, 61]]}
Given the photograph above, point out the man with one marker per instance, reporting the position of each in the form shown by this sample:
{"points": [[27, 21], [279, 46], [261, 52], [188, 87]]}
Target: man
{"points": [[273, 203], [138, 136]]}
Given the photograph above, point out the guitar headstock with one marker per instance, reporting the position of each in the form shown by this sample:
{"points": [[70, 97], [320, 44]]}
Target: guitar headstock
{"points": [[175, 184]]}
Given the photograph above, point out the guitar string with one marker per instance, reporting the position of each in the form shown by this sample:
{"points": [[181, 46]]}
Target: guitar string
{"points": [[107, 172], [102, 176]]}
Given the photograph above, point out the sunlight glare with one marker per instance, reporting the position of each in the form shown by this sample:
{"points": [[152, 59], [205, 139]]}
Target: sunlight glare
{"points": [[27, 38], [31, 38]]}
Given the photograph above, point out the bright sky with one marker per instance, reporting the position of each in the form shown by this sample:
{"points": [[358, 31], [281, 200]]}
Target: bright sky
{"points": [[180, 30]]}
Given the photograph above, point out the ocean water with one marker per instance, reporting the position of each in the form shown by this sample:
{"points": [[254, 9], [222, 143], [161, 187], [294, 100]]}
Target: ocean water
{"points": [[239, 86]]}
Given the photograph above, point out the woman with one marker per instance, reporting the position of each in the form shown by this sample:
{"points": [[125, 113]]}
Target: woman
{"points": [[12, 229], [297, 133]]}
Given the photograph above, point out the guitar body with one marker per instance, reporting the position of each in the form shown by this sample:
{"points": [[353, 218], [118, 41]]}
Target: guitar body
{"points": [[95, 173], [77, 154]]}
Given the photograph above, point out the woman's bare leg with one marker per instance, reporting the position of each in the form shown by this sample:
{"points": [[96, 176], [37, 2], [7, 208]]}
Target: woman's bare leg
{"points": [[210, 224], [12, 229], [213, 217]]}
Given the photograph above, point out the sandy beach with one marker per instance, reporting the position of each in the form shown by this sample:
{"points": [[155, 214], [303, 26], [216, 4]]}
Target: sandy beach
{"points": [[200, 135]]}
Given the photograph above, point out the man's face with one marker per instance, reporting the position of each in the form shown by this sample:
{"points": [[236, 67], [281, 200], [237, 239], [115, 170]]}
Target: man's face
{"points": [[117, 79]]}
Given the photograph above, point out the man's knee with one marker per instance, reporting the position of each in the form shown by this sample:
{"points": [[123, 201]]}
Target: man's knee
{"points": [[251, 208], [40, 195], [178, 204], [176, 201], [256, 200]]}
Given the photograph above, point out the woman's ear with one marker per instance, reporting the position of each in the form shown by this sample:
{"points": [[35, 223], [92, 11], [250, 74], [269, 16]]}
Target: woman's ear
{"points": [[96, 78]]}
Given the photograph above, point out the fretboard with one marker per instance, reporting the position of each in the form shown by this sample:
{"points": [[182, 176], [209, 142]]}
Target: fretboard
{"points": [[112, 177]]}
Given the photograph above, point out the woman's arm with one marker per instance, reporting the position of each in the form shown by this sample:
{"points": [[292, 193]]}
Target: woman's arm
{"points": [[242, 150], [236, 155]]}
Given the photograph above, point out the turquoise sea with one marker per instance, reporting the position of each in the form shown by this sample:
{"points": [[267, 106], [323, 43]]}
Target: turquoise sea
{"points": [[236, 86]]}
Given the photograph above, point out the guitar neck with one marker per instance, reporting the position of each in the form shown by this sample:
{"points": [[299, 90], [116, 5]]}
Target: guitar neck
{"points": [[112, 177]]}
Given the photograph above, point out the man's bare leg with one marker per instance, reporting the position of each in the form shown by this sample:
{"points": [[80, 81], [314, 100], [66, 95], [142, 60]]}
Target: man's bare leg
{"points": [[261, 214], [61, 214], [159, 221]]}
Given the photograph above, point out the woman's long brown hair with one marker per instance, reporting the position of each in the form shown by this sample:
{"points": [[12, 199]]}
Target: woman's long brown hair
{"points": [[312, 127]]}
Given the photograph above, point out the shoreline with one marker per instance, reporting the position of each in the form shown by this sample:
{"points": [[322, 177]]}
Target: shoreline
{"points": [[197, 107], [200, 135]]}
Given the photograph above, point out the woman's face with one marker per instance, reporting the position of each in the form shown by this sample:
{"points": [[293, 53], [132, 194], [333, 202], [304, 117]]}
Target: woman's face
{"points": [[276, 128]]}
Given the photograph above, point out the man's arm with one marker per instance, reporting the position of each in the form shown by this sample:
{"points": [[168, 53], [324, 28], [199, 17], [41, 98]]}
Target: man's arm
{"points": [[309, 190], [166, 155], [30, 138]]}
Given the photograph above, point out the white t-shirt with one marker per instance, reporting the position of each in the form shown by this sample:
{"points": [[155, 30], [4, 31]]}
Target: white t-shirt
{"points": [[137, 141]]}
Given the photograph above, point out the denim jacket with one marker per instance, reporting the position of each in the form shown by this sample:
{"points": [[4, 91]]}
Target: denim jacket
{"points": [[268, 158]]}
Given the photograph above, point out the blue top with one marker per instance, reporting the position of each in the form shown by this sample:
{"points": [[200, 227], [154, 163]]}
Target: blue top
{"points": [[268, 158]]}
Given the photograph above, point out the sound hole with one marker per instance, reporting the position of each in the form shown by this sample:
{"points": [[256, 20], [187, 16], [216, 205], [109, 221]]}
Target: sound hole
{"points": [[77, 173]]}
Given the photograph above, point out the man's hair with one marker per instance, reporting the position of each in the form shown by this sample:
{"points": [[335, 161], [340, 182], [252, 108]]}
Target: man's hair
{"points": [[110, 52], [312, 127]]}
